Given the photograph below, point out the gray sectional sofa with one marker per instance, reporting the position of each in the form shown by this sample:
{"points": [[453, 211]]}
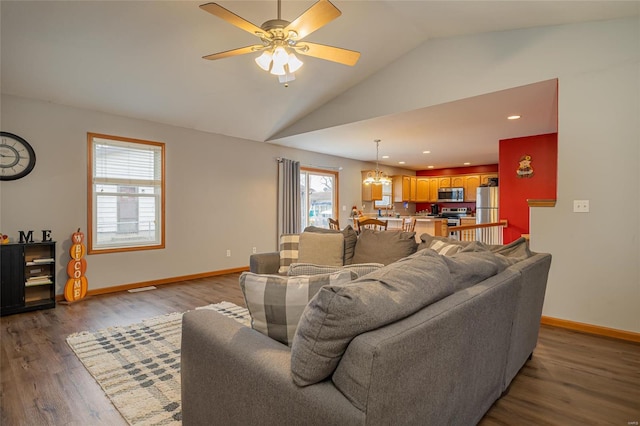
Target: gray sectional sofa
{"points": [[425, 340]]}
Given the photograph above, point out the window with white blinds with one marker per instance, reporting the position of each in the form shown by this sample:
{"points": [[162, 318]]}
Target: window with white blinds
{"points": [[126, 184]]}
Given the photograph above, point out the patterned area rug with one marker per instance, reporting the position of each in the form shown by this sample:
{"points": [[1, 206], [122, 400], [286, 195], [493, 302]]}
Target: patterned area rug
{"points": [[138, 366]]}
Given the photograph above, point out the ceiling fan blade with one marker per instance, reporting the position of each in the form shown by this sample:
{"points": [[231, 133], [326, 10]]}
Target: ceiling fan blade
{"points": [[234, 52], [329, 53], [232, 18], [317, 16]]}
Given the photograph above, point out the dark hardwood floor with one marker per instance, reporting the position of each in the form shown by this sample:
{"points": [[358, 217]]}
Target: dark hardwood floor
{"points": [[573, 378]]}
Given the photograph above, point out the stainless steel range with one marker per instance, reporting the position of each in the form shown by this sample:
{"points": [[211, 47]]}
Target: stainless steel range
{"points": [[453, 215]]}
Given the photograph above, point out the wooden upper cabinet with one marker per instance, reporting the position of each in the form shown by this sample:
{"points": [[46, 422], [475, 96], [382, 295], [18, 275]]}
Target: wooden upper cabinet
{"points": [[404, 189], [444, 182], [433, 189], [471, 183], [457, 181], [484, 179], [422, 190], [370, 192]]}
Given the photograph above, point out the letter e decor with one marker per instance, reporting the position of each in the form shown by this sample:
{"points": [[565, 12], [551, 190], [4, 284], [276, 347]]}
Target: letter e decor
{"points": [[76, 287]]}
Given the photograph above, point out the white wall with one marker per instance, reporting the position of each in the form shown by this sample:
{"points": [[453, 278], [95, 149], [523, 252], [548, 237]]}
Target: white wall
{"points": [[220, 192], [595, 275]]}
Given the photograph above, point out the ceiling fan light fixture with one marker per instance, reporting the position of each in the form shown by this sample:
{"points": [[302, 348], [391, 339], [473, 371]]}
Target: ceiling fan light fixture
{"points": [[264, 60], [294, 63], [277, 69], [286, 78], [280, 56]]}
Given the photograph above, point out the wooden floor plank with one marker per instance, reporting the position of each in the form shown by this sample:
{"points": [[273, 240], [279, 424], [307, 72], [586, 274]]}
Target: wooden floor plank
{"points": [[573, 378]]}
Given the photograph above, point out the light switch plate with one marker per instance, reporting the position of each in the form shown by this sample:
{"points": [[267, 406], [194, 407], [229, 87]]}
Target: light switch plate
{"points": [[581, 206]]}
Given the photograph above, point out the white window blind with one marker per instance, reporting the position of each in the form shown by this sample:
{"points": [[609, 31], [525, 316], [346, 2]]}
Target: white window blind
{"points": [[127, 199]]}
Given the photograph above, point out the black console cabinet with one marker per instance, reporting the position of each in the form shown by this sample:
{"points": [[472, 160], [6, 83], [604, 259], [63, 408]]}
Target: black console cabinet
{"points": [[27, 277]]}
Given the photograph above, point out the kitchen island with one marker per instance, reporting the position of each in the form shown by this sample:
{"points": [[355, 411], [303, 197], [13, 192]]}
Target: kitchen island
{"points": [[424, 224]]}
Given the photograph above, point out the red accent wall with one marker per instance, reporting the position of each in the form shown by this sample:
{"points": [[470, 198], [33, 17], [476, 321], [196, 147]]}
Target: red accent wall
{"points": [[514, 190]]}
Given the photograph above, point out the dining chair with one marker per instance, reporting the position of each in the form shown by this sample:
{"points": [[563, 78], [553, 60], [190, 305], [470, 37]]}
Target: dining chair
{"points": [[334, 224], [375, 224], [409, 224]]}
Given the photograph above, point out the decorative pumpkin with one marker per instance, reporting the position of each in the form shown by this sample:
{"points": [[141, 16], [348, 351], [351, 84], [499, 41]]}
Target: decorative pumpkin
{"points": [[76, 268], [77, 237], [75, 289], [77, 251]]}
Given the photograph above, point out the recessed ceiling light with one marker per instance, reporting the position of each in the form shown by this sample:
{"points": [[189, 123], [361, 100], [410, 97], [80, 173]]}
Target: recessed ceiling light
{"points": [[385, 156], [513, 117], [467, 164], [429, 167], [426, 152], [401, 162]]}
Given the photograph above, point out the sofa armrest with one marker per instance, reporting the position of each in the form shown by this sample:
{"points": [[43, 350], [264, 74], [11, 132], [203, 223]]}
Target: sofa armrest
{"points": [[264, 263], [232, 374]]}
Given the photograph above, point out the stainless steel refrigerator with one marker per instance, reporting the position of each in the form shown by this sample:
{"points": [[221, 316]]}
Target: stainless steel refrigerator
{"points": [[487, 204], [487, 212]]}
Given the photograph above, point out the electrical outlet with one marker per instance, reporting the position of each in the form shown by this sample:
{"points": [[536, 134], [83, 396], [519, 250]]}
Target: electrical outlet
{"points": [[344, 208], [581, 206], [253, 250], [228, 253]]}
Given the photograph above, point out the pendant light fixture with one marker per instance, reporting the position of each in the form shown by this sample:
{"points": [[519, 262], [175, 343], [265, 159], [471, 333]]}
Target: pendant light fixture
{"points": [[377, 177]]}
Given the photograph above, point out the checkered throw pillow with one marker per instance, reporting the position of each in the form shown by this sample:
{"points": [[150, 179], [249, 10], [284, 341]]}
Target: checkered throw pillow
{"points": [[445, 249], [276, 303], [288, 251], [360, 269]]}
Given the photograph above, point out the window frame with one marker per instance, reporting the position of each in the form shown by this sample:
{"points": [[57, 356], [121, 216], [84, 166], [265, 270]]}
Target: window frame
{"points": [[335, 191], [91, 238]]}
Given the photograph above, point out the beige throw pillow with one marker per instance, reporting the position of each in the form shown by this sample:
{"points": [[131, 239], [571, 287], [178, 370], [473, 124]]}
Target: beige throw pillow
{"points": [[321, 249]]}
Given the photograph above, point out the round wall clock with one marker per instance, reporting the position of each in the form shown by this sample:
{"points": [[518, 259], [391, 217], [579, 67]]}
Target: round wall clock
{"points": [[17, 157]]}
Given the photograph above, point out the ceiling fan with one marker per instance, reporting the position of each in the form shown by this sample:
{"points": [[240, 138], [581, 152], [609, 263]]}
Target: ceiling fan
{"points": [[282, 39]]}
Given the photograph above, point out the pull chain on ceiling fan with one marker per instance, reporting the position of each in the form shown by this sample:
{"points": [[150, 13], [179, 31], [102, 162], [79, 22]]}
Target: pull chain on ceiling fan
{"points": [[282, 39]]}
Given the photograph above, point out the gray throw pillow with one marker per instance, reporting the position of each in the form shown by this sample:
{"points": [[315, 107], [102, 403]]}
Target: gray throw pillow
{"points": [[384, 246], [338, 313], [350, 239], [275, 303]]}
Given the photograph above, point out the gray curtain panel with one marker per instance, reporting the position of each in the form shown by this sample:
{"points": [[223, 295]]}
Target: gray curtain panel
{"points": [[289, 220]]}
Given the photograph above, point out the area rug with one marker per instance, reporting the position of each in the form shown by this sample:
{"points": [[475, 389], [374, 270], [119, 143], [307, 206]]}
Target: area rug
{"points": [[138, 366]]}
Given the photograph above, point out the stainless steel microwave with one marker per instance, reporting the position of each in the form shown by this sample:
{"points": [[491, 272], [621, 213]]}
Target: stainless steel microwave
{"points": [[449, 195]]}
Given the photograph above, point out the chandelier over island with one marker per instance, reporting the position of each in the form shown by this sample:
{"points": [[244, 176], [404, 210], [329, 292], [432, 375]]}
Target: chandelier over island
{"points": [[377, 177]]}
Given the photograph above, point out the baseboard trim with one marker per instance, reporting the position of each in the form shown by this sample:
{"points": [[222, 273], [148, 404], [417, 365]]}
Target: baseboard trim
{"points": [[125, 287], [591, 329]]}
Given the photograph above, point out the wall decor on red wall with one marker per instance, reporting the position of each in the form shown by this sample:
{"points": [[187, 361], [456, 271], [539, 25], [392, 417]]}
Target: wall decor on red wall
{"points": [[525, 169]]}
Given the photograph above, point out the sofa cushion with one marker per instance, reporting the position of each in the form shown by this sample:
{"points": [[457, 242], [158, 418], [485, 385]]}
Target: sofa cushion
{"points": [[275, 303], [360, 269], [384, 246], [321, 249], [338, 313], [288, 251], [350, 239]]}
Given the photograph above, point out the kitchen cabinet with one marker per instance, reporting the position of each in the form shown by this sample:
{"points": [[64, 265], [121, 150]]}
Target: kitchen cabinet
{"points": [[422, 190], [457, 181], [404, 189], [433, 190], [370, 192], [484, 179], [27, 279], [470, 184], [444, 182]]}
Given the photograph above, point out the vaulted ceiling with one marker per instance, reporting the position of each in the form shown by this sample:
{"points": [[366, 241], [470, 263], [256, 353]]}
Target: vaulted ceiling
{"points": [[143, 59]]}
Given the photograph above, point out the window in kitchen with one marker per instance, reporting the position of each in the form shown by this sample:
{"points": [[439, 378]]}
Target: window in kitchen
{"points": [[126, 194], [318, 197]]}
